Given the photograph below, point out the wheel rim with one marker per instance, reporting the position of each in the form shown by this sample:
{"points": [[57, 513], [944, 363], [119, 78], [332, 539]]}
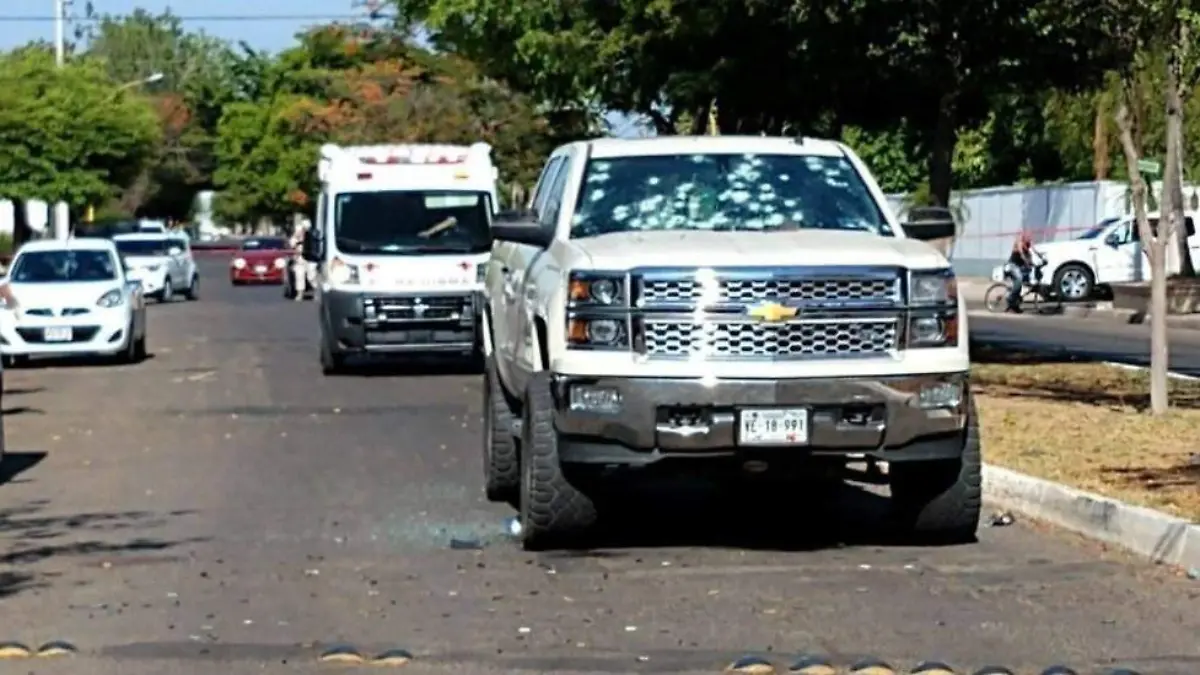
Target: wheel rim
{"points": [[995, 297], [1073, 285]]}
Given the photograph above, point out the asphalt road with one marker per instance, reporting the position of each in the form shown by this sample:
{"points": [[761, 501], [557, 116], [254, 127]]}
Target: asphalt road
{"points": [[1090, 338], [223, 508]]}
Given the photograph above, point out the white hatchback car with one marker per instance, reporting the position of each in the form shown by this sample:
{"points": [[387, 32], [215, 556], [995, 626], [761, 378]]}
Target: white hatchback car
{"points": [[73, 299], [163, 262]]}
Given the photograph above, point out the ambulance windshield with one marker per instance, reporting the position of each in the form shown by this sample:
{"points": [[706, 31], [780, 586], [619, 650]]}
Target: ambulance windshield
{"points": [[412, 222]]}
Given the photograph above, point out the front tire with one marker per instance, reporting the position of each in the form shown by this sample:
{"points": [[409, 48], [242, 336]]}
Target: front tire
{"points": [[193, 290], [939, 501], [552, 510], [1074, 282], [501, 462], [167, 294], [332, 363]]}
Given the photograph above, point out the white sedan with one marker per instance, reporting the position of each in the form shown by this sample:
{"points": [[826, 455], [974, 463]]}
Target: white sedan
{"points": [[73, 299]]}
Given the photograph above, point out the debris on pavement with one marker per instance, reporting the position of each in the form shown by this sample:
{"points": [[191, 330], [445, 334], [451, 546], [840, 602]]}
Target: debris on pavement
{"points": [[1001, 519], [513, 526], [457, 544]]}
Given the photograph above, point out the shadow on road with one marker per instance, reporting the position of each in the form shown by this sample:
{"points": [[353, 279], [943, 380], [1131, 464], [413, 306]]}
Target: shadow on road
{"points": [[83, 362], [32, 538], [16, 463], [747, 518], [425, 367]]}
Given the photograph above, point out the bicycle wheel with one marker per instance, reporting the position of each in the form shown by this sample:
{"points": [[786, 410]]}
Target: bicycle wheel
{"points": [[996, 297]]}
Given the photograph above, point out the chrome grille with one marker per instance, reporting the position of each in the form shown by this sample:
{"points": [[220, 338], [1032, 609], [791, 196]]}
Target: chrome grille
{"points": [[748, 291], [751, 340]]}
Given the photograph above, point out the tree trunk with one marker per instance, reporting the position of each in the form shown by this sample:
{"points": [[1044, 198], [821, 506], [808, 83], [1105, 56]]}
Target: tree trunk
{"points": [[1156, 249], [1101, 160], [1173, 171], [941, 156]]}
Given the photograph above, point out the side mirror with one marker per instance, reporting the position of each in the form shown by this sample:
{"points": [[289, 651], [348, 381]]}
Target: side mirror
{"points": [[1113, 240], [175, 250], [520, 227], [928, 223], [310, 248]]}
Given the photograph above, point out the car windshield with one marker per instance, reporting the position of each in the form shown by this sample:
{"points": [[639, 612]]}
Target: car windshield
{"points": [[406, 222], [1098, 229], [143, 247], [59, 266], [724, 192], [264, 244]]}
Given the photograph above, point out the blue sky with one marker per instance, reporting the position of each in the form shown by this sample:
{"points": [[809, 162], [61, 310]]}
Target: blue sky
{"points": [[230, 19]]}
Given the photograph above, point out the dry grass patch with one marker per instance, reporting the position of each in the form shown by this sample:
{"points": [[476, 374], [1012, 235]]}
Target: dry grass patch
{"points": [[1084, 424]]}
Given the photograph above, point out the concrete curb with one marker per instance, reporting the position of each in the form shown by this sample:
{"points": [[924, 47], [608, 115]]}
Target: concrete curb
{"points": [[1161, 537]]}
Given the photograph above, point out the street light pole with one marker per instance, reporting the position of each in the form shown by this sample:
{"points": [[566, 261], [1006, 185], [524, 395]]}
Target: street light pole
{"points": [[60, 19]]}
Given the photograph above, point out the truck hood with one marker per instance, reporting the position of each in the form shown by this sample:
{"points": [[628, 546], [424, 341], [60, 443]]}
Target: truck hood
{"points": [[702, 248]]}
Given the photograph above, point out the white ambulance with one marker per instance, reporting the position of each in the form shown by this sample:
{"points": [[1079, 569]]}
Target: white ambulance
{"points": [[401, 239]]}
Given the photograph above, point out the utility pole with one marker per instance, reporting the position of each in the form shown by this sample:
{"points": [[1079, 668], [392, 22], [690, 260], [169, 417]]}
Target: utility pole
{"points": [[60, 29]]}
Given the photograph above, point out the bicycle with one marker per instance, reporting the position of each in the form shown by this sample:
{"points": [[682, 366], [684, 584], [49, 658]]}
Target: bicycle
{"points": [[1034, 294]]}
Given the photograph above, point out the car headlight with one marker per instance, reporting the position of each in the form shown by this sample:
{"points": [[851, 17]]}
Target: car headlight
{"points": [[153, 268], [342, 272], [239, 263], [280, 263], [480, 273], [596, 288], [935, 287], [113, 298], [597, 333]]}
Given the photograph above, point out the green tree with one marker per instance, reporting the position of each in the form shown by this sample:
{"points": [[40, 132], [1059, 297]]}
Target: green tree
{"points": [[197, 81], [69, 134]]}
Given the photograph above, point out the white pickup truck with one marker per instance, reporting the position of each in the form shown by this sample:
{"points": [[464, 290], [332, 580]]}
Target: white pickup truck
{"points": [[747, 305]]}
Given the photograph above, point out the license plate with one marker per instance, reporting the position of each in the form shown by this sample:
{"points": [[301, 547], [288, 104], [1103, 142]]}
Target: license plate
{"points": [[261, 269], [58, 334], [785, 426]]}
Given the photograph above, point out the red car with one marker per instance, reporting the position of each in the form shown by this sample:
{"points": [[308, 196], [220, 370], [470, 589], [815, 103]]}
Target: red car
{"points": [[260, 260]]}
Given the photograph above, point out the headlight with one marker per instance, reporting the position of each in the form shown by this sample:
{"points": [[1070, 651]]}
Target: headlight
{"points": [[113, 298], [343, 273], [597, 333], [480, 273], [597, 288], [153, 268], [280, 263], [936, 287], [239, 263]]}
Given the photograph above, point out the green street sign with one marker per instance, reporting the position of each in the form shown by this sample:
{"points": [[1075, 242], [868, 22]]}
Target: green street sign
{"points": [[1149, 166]]}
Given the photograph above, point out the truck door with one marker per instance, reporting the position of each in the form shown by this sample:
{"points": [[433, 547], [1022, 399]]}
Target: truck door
{"points": [[519, 293]]}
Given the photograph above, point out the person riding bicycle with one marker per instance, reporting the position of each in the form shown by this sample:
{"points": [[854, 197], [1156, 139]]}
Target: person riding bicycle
{"points": [[1018, 269]]}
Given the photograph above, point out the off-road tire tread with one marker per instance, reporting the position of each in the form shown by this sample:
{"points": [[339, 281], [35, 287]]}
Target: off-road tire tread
{"points": [[502, 464], [553, 510], [940, 501]]}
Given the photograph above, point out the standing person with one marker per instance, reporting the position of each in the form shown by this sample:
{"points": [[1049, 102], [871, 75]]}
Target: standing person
{"points": [[301, 272], [1018, 268], [10, 304]]}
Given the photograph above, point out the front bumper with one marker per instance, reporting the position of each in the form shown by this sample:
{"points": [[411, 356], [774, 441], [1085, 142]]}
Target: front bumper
{"points": [[381, 323], [152, 282], [664, 418], [99, 332]]}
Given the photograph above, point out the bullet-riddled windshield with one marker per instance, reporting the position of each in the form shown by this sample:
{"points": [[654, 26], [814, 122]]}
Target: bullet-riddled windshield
{"points": [[724, 192]]}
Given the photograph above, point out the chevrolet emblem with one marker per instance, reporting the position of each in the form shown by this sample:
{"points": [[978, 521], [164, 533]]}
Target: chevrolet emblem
{"points": [[772, 312]]}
